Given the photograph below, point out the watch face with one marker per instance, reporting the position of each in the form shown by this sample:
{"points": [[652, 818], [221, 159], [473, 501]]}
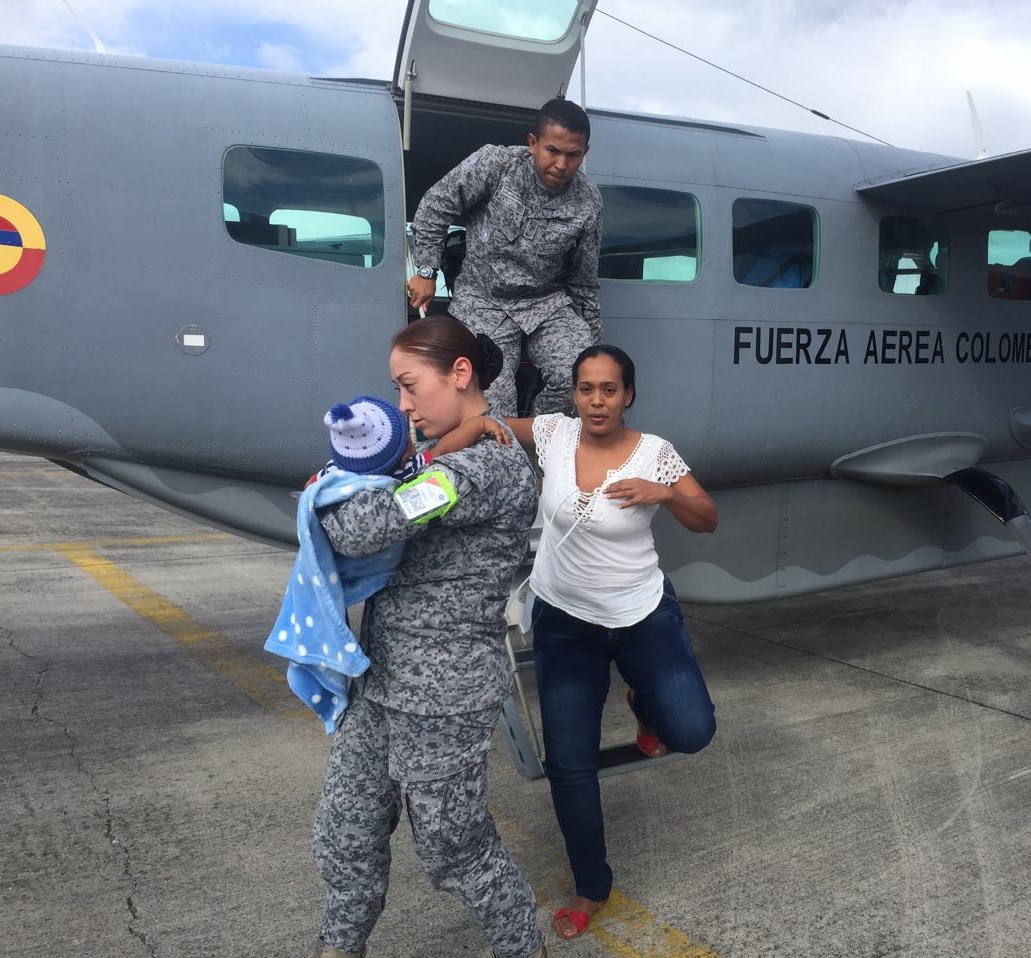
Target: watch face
{"points": [[426, 272]]}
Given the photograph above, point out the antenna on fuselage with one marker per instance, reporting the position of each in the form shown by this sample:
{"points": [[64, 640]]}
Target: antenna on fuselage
{"points": [[979, 144], [97, 45], [737, 76]]}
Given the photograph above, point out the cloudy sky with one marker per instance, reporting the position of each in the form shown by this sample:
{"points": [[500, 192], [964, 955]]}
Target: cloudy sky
{"points": [[897, 69]]}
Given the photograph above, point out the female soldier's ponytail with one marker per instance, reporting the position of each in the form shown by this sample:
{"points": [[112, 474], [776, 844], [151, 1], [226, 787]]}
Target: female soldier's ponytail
{"points": [[441, 340]]}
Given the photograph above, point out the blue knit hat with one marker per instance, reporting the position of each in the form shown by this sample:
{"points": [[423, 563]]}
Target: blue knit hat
{"points": [[367, 435]]}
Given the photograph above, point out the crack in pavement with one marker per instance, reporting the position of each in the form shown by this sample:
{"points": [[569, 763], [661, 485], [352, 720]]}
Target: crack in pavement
{"points": [[40, 672], [109, 826], [968, 697]]}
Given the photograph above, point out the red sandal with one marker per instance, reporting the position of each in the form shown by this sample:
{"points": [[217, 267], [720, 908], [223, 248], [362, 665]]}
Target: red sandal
{"points": [[648, 742], [577, 918]]}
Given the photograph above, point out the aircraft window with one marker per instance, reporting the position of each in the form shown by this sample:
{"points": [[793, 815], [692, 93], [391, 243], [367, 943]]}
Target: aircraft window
{"points": [[317, 205], [543, 21], [775, 244], [1009, 264], [649, 235], [913, 257]]}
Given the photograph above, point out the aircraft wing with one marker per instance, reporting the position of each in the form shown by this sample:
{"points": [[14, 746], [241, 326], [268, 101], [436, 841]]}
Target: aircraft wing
{"points": [[506, 52], [1000, 181]]}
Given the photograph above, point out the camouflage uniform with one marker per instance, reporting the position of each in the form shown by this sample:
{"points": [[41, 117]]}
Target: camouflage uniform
{"points": [[530, 267], [417, 737]]}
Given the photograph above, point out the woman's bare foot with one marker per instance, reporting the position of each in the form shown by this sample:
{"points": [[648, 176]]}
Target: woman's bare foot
{"points": [[572, 921]]}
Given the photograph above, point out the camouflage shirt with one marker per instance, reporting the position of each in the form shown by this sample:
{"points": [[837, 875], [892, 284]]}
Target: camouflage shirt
{"points": [[435, 634], [529, 250]]}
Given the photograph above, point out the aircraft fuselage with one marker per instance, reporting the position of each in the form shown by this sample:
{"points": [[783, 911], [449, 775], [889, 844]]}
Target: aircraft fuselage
{"points": [[180, 354]]}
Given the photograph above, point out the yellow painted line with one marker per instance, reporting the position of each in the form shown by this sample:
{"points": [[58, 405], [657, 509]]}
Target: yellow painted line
{"points": [[256, 679], [624, 927], [111, 543]]}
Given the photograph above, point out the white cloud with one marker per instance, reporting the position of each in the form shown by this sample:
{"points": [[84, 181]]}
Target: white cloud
{"points": [[897, 69], [285, 59], [334, 29]]}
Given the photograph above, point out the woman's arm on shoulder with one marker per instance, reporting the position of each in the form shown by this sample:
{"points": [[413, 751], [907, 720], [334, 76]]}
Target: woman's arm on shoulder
{"points": [[464, 435], [522, 429]]}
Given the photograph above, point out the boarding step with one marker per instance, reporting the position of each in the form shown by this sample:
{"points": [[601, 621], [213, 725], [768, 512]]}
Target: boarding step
{"points": [[523, 658], [616, 759]]}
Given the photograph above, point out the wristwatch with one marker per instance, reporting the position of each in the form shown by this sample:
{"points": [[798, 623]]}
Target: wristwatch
{"points": [[426, 272]]}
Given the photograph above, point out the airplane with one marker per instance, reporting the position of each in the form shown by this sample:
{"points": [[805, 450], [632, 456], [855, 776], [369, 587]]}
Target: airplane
{"points": [[197, 261]]}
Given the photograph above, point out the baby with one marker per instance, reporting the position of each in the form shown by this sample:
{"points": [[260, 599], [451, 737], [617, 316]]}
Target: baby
{"points": [[370, 445], [367, 436]]}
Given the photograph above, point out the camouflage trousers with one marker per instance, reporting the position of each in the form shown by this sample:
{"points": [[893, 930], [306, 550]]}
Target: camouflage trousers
{"points": [[434, 767], [551, 347]]}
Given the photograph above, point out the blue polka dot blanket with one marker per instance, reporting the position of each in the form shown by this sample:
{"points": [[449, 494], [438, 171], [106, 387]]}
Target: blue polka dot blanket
{"points": [[311, 629]]}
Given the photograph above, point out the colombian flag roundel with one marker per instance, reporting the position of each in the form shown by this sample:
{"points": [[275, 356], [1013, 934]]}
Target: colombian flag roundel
{"points": [[23, 247]]}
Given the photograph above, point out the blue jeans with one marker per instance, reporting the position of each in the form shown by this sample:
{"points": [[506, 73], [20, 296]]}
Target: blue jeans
{"points": [[655, 658]]}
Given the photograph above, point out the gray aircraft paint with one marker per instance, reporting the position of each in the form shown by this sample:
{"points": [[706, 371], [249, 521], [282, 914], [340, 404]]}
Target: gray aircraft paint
{"points": [[782, 400]]}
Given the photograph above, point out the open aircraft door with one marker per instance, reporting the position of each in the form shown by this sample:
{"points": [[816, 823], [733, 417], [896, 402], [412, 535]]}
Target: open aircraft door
{"points": [[502, 59], [516, 53]]}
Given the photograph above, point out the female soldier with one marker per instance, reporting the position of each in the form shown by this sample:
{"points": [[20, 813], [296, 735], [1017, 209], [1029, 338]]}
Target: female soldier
{"points": [[416, 738]]}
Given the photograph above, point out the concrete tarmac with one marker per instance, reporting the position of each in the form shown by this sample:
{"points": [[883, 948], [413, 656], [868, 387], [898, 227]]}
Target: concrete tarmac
{"points": [[866, 794]]}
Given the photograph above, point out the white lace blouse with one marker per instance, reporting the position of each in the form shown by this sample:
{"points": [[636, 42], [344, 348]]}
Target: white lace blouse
{"points": [[596, 561]]}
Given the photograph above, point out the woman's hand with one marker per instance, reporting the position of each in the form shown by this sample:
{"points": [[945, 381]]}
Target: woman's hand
{"points": [[689, 503], [638, 492], [491, 427]]}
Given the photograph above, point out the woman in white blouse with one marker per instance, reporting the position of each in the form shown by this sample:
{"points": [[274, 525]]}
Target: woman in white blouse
{"points": [[601, 597]]}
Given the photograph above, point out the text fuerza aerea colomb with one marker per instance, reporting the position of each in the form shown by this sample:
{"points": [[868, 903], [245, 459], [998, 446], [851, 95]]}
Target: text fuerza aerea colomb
{"points": [[826, 346]]}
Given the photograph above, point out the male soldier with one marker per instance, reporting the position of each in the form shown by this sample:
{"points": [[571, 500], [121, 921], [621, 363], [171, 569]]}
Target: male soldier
{"points": [[533, 233]]}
